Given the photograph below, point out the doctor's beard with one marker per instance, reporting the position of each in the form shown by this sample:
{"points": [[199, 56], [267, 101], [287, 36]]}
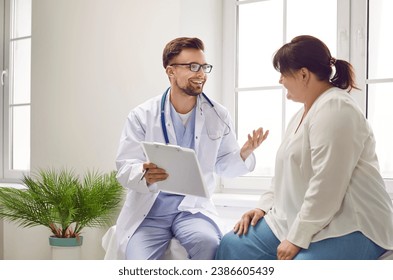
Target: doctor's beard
{"points": [[191, 89]]}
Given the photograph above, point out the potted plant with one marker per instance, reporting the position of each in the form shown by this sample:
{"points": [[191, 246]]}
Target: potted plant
{"points": [[62, 202]]}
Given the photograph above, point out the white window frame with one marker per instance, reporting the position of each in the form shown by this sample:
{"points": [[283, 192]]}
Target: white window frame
{"points": [[359, 59], [7, 173], [2, 88], [351, 43]]}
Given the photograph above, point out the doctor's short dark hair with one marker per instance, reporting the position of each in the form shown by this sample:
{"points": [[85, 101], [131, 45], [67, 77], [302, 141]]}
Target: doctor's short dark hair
{"points": [[174, 47]]}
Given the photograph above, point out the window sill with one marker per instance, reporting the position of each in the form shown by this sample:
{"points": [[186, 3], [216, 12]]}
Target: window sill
{"points": [[12, 185], [235, 200]]}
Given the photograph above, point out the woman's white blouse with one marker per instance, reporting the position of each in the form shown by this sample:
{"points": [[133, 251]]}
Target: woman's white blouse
{"points": [[327, 181]]}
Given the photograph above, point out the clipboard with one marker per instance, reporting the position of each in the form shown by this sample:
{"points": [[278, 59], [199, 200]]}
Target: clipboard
{"points": [[185, 175]]}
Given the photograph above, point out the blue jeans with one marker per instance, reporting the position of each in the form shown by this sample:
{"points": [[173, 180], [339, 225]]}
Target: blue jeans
{"points": [[261, 244]]}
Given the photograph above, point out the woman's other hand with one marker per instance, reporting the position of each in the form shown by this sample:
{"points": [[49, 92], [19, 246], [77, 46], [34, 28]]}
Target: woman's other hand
{"points": [[287, 250]]}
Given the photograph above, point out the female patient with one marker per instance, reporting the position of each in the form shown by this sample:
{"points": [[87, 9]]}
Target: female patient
{"points": [[327, 199]]}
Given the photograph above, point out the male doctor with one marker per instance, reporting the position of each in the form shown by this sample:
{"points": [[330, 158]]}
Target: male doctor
{"points": [[150, 218]]}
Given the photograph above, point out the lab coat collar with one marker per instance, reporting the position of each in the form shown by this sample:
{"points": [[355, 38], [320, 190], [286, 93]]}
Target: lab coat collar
{"points": [[199, 121]]}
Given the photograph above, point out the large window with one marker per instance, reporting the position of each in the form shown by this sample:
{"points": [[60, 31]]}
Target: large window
{"points": [[353, 30], [379, 80], [15, 79]]}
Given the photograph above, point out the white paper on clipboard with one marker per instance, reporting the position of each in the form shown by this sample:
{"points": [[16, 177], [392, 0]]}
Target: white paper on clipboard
{"points": [[185, 176]]}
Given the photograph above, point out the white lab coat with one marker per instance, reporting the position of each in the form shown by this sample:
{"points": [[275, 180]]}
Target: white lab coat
{"points": [[221, 156]]}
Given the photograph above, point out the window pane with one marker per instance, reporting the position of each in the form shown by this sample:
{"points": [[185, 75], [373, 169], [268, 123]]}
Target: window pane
{"points": [[20, 138], [380, 43], [380, 100], [261, 109], [260, 35], [21, 71], [313, 17], [22, 18]]}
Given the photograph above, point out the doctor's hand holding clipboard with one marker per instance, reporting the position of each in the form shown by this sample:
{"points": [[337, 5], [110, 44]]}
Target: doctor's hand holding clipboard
{"points": [[153, 173]]}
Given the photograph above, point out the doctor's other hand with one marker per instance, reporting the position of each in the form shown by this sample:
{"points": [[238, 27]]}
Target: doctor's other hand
{"points": [[251, 217], [253, 142], [153, 174]]}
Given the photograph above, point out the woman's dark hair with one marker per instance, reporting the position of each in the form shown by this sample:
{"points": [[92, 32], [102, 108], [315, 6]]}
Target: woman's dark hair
{"points": [[174, 47], [311, 53]]}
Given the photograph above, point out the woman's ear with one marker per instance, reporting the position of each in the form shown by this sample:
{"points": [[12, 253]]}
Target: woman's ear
{"points": [[305, 74]]}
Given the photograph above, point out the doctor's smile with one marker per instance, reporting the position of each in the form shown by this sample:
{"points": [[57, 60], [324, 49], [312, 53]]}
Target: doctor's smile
{"points": [[198, 83]]}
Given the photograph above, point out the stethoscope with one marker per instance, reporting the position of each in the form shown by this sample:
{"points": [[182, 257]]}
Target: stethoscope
{"points": [[163, 100]]}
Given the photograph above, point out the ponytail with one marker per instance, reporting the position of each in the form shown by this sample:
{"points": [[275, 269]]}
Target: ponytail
{"points": [[344, 76]]}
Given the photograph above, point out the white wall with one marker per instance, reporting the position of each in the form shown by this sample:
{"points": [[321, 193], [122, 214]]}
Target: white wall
{"points": [[92, 62]]}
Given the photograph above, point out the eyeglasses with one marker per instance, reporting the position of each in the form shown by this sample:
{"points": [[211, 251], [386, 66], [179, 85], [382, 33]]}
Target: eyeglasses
{"points": [[195, 67]]}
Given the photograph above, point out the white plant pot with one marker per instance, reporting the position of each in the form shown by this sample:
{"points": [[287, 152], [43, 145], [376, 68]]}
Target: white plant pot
{"points": [[65, 248]]}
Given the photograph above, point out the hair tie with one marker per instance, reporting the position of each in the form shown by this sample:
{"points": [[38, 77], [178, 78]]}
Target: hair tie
{"points": [[332, 61]]}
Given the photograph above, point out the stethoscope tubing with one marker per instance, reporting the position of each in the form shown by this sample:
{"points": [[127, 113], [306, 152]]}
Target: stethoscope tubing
{"points": [[163, 100]]}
